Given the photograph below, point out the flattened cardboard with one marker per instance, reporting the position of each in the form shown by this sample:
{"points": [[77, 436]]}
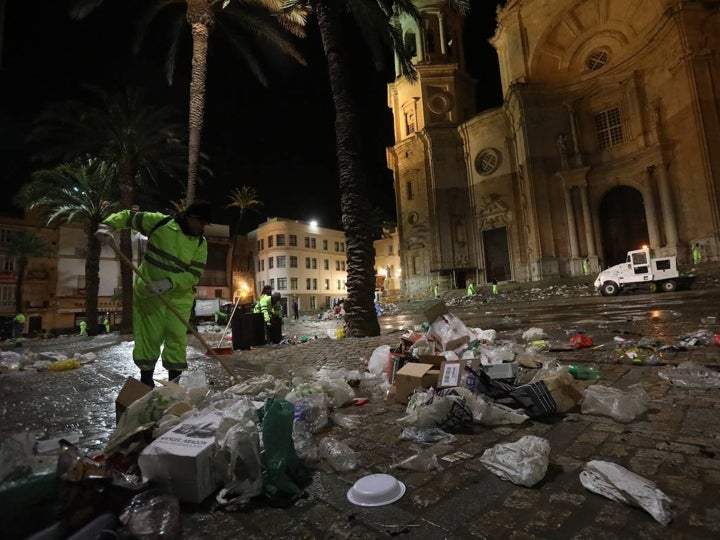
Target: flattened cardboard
{"points": [[131, 391], [450, 374], [434, 311]]}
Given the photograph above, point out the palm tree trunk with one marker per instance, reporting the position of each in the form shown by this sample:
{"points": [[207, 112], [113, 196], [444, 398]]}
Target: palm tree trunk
{"points": [[125, 176], [92, 278], [200, 18], [360, 317], [19, 280]]}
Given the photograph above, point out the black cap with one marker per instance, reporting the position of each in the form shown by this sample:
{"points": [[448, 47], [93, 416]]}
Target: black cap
{"points": [[200, 210]]}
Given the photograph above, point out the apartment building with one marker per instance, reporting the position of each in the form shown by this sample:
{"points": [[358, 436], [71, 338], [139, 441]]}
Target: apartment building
{"points": [[53, 288], [302, 261]]}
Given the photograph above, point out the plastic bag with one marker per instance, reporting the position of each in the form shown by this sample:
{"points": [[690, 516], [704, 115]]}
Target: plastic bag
{"points": [[424, 459], [619, 484], [151, 515], [691, 375], [617, 404], [284, 475], [523, 462]]}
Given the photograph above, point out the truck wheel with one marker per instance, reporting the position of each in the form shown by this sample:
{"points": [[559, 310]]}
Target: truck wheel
{"points": [[610, 288], [668, 286], [653, 286]]}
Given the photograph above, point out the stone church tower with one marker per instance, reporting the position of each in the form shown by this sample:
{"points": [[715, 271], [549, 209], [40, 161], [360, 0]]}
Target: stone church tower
{"points": [[607, 139]]}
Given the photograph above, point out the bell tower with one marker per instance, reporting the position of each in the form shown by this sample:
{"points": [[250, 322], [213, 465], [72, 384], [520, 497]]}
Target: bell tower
{"points": [[428, 158]]}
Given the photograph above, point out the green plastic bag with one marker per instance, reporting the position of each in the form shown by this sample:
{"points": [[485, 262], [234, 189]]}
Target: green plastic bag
{"points": [[284, 475]]}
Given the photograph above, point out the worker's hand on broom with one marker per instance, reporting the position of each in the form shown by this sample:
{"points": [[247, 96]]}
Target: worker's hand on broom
{"points": [[159, 286], [104, 234]]}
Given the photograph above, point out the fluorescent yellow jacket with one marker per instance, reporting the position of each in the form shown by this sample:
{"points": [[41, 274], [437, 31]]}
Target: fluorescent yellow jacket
{"points": [[264, 306]]}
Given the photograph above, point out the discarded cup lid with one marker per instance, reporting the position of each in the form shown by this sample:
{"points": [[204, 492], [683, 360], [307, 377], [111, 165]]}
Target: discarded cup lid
{"points": [[376, 490]]}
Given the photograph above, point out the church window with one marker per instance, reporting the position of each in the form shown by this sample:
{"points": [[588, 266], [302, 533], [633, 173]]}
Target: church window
{"points": [[597, 60], [410, 189], [487, 161], [609, 128]]}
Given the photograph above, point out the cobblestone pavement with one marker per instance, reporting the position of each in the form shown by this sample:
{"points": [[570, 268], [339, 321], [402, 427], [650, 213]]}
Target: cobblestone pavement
{"points": [[675, 444]]}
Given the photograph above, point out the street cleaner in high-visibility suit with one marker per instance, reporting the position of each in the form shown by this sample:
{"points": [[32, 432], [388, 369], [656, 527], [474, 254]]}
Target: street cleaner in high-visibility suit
{"points": [[264, 305], [174, 260]]}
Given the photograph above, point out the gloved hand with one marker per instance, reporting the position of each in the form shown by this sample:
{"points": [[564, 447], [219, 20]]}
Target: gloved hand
{"points": [[159, 286], [104, 234]]}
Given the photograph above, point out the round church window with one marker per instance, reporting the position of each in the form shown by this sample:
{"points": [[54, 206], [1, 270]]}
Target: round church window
{"points": [[487, 161], [597, 60]]}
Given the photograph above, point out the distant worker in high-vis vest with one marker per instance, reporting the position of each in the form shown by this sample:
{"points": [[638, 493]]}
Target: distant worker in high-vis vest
{"points": [[18, 327]]}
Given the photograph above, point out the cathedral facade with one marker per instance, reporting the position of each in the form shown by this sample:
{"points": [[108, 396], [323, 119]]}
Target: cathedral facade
{"points": [[608, 138]]}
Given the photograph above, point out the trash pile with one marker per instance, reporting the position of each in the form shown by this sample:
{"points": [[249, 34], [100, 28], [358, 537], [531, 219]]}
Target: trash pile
{"points": [[257, 441], [44, 361]]}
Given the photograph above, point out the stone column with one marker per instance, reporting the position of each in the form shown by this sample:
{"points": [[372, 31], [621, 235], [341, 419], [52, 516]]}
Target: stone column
{"points": [[587, 220], [671, 234], [441, 26], [572, 231], [651, 215]]}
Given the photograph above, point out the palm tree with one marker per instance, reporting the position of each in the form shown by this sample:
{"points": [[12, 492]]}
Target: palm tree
{"points": [[140, 141], [244, 199], [79, 192], [23, 246], [375, 21], [250, 20]]}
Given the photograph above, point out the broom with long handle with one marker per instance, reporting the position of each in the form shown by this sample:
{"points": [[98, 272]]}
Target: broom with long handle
{"points": [[174, 310]]}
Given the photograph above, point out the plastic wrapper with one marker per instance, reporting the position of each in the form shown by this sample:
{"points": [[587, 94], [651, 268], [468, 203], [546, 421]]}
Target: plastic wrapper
{"points": [[427, 435], [691, 375], [152, 515], [523, 462], [619, 484], [617, 404], [424, 459]]}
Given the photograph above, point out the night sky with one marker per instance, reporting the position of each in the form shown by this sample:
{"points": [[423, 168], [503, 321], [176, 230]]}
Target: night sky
{"points": [[278, 139]]}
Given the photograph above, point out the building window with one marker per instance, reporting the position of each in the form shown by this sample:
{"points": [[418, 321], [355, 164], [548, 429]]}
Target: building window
{"points": [[7, 264], [327, 284], [342, 265], [325, 245], [609, 128], [342, 247], [337, 246], [282, 284], [410, 189], [280, 240], [326, 264], [307, 262], [390, 249], [293, 261], [327, 302], [4, 235], [314, 284], [270, 241], [339, 284], [313, 302], [415, 265], [7, 296], [272, 283], [293, 240], [487, 161], [262, 265], [313, 243], [597, 60], [271, 262], [293, 283], [307, 242], [281, 261], [308, 283], [261, 245], [314, 263], [337, 265]]}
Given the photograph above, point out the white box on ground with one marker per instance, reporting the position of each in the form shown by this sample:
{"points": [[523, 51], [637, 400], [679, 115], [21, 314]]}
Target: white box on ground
{"points": [[503, 370], [182, 459]]}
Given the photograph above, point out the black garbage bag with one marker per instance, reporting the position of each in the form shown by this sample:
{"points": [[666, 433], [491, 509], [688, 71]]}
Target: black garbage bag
{"points": [[284, 475]]}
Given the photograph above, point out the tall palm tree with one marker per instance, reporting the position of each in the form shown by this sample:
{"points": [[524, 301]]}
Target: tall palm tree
{"points": [[244, 199], [79, 192], [139, 140], [23, 246], [375, 21], [261, 21]]}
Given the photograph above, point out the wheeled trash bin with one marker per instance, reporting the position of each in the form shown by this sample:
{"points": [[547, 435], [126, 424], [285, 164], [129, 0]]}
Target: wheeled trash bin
{"points": [[248, 330]]}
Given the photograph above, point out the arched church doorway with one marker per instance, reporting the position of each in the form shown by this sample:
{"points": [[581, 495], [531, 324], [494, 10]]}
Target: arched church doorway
{"points": [[623, 223]]}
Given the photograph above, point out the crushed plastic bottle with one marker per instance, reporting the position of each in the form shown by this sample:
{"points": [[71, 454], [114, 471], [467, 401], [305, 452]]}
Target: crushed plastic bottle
{"points": [[582, 372], [338, 454]]}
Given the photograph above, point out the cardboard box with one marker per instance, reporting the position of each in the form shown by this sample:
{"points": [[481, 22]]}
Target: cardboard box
{"points": [[414, 375], [434, 311], [504, 370], [182, 459], [129, 393], [450, 374]]}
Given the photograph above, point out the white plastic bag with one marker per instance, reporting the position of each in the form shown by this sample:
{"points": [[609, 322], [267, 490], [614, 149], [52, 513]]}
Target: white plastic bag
{"points": [[379, 359], [523, 462], [619, 484], [617, 404]]}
